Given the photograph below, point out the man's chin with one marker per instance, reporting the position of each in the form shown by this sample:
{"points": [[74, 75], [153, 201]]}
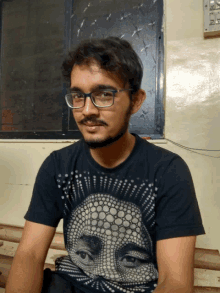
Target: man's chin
{"points": [[95, 144], [98, 143]]}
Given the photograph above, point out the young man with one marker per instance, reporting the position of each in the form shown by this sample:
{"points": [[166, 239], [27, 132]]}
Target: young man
{"points": [[129, 207]]}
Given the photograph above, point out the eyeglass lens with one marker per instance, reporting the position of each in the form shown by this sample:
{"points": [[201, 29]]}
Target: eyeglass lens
{"points": [[100, 98]]}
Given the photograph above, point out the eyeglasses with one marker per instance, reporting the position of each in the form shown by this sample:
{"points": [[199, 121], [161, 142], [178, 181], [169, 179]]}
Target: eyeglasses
{"points": [[99, 98]]}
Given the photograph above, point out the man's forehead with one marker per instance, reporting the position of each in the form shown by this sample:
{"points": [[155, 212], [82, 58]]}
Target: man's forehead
{"points": [[92, 66], [95, 68]]}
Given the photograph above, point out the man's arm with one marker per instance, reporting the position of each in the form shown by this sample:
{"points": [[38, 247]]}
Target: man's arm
{"points": [[175, 258], [26, 273]]}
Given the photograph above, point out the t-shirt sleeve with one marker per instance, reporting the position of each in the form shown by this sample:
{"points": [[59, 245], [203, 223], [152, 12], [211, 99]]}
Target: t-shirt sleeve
{"points": [[177, 210], [45, 207]]}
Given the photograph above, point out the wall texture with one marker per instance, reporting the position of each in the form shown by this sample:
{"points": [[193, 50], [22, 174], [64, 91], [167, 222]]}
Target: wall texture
{"points": [[193, 105], [192, 110]]}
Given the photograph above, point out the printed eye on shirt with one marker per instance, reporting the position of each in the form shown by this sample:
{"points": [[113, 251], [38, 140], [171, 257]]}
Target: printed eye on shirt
{"points": [[108, 242]]}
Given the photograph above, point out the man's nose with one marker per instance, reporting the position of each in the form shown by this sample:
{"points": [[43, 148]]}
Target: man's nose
{"points": [[89, 107]]}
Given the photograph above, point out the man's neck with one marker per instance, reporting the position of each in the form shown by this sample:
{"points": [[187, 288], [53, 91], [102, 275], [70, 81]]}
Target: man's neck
{"points": [[113, 155]]}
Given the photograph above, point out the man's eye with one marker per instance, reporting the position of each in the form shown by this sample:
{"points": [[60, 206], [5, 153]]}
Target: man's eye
{"points": [[108, 94], [85, 257], [77, 96], [103, 94]]}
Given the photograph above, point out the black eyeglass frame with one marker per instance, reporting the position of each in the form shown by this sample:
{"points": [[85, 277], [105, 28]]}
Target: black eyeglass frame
{"points": [[90, 96]]}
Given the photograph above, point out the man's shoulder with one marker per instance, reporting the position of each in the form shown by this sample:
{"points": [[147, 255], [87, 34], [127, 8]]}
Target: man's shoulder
{"points": [[157, 153], [69, 151], [165, 161]]}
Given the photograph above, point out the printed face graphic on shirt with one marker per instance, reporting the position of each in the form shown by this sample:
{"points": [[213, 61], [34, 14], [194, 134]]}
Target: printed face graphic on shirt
{"points": [[107, 238]]}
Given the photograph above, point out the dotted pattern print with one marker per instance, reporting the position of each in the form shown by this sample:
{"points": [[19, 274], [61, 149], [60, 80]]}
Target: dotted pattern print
{"points": [[109, 247], [77, 186]]}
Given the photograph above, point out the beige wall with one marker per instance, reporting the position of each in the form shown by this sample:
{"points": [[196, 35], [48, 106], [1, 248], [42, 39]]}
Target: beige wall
{"points": [[193, 105], [192, 119]]}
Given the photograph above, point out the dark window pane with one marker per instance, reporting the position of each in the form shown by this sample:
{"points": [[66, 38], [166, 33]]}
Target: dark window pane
{"points": [[33, 42], [31, 57]]}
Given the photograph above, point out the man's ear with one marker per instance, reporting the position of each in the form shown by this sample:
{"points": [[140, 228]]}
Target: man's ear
{"points": [[137, 100]]}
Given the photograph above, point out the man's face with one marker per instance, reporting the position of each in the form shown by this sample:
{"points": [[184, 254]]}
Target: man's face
{"points": [[100, 126]]}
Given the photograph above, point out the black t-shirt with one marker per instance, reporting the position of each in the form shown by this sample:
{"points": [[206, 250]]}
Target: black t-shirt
{"points": [[113, 217]]}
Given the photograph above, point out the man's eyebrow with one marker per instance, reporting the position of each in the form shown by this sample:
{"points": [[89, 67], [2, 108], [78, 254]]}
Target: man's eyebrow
{"points": [[97, 87]]}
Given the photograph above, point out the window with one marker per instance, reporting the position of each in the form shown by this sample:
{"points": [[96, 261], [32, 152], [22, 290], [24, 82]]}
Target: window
{"points": [[35, 35]]}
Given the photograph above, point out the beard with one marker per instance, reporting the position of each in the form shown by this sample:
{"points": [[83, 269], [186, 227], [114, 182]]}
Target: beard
{"points": [[100, 143]]}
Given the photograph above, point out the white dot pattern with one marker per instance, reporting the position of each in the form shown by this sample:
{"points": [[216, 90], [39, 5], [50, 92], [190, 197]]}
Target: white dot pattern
{"points": [[115, 228], [115, 222]]}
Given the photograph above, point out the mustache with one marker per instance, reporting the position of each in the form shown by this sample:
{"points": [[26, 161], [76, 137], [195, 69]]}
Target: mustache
{"points": [[93, 120]]}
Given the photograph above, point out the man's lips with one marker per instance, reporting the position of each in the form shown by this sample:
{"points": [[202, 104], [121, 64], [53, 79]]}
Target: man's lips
{"points": [[92, 127], [93, 123]]}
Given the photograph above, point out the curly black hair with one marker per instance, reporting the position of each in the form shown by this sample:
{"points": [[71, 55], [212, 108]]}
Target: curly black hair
{"points": [[113, 54]]}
